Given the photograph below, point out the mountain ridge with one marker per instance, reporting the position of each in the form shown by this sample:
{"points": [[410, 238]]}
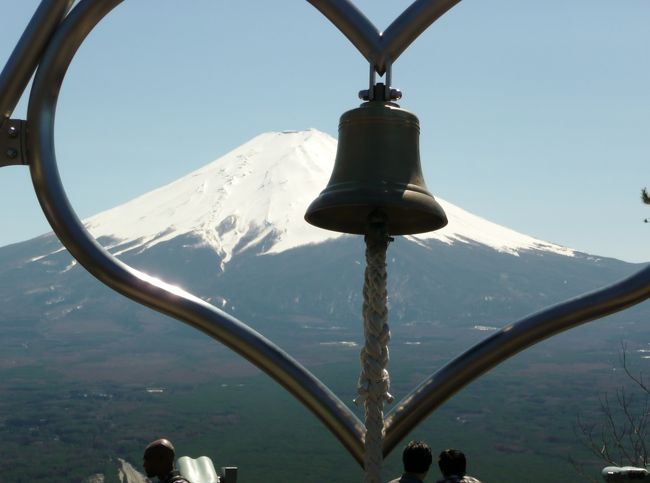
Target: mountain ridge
{"points": [[256, 195], [78, 358]]}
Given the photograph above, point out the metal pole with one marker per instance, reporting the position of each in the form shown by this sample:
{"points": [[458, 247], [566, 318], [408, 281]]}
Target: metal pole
{"points": [[381, 48], [408, 27], [27, 53], [354, 25]]}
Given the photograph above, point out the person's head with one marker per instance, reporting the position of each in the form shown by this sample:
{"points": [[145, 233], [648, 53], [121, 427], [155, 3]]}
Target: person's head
{"points": [[158, 459], [452, 462], [417, 458]]}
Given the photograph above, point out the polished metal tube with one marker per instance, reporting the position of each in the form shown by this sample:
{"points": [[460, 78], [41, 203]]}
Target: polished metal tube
{"points": [[382, 49], [354, 25], [408, 27], [139, 286], [23, 60]]}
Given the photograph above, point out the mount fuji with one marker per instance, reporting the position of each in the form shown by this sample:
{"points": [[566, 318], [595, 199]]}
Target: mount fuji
{"points": [[255, 197], [233, 233]]}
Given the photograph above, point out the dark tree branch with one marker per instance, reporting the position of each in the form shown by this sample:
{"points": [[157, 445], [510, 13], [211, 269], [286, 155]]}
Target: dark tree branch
{"points": [[638, 380]]}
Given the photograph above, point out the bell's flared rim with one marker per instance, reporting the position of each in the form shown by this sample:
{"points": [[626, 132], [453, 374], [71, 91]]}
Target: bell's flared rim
{"points": [[407, 211]]}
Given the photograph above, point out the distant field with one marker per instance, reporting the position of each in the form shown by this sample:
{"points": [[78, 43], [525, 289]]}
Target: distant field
{"points": [[77, 419]]}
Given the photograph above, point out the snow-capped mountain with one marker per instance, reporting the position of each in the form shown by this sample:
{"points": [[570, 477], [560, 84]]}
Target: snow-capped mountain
{"points": [[233, 234], [259, 192], [207, 230]]}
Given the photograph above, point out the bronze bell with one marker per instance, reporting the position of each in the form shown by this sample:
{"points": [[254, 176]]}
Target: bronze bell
{"points": [[377, 169]]}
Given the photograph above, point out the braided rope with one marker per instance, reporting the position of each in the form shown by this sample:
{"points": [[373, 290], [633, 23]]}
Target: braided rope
{"points": [[374, 381]]}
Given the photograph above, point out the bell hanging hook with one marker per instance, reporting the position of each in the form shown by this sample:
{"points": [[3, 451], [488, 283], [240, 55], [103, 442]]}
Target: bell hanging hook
{"points": [[378, 91]]}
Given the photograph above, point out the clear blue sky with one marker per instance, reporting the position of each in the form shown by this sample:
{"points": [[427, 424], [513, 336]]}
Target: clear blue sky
{"points": [[535, 115]]}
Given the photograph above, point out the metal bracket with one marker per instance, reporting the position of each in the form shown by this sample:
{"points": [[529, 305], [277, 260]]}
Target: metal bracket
{"points": [[12, 143], [377, 90]]}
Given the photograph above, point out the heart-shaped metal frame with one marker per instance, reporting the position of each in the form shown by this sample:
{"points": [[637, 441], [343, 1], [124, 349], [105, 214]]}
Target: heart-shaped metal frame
{"points": [[173, 301]]}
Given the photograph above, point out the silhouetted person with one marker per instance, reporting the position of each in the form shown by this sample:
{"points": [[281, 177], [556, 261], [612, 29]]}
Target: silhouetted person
{"points": [[453, 466], [158, 461], [417, 460]]}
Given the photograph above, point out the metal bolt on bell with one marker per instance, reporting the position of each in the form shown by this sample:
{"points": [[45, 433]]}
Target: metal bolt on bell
{"points": [[377, 170]]}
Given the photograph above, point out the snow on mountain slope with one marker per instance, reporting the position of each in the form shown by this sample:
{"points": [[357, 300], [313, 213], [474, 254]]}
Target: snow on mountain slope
{"points": [[260, 191], [260, 188], [466, 227]]}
